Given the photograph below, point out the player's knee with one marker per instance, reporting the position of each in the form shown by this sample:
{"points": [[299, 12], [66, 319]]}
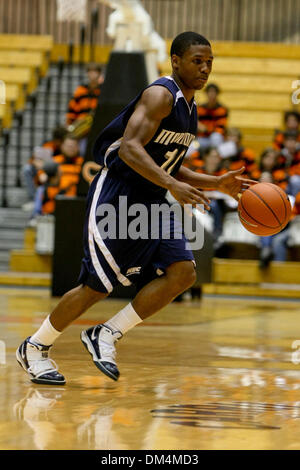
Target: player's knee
{"points": [[85, 294], [189, 276], [92, 294], [182, 275]]}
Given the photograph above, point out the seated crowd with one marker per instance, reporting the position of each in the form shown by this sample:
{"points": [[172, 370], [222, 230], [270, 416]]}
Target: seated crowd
{"points": [[218, 149], [55, 167]]}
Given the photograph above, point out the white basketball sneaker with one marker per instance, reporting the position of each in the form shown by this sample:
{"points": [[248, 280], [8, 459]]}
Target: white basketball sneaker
{"points": [[100, 342], [34, 358]]}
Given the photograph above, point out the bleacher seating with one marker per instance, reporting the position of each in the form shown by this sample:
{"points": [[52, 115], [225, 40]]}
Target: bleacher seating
{"points": [[32, 59], [256, 85], [23, 60], [5, 115], [26, 42], [14, 96], [21, 76]]}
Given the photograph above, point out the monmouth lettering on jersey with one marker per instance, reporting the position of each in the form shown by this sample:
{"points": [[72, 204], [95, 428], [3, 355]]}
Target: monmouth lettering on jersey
{"points": [[167, 147]]}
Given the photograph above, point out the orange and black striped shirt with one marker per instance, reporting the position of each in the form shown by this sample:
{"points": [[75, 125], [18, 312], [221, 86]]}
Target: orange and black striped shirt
{"points": [[70, 169], [82, 102], [214, 119]]}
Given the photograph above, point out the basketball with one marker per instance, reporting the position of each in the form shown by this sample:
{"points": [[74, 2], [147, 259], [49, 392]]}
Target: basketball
{"points": [[264, 209]]}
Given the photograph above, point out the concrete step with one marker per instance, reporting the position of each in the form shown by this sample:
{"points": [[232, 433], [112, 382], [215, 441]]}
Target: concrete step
{"points": [[4, 255], [6, 244], [10, 177], [16, 197], [4, 260], [14, 218], [12, 213], [10, 235], [3, 267]]}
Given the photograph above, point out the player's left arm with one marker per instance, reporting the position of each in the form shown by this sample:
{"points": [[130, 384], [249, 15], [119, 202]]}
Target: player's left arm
{"points": [[230, 183]]}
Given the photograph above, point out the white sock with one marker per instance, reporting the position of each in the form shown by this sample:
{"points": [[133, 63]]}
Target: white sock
{"points": [[46, 335], [124, 320]]}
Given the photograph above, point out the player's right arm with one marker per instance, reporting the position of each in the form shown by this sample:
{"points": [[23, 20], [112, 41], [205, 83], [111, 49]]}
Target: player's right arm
{"points": [[155, 104]]}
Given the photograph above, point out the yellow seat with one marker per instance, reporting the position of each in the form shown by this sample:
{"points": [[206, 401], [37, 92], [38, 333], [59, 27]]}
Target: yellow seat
{"points": [[24, 77], [255, 119], [25, 42], [34, 60], [15, 96], [6, 115], [257, 66], [253, 49], [250, 83], [256, 49], [257, 101]]}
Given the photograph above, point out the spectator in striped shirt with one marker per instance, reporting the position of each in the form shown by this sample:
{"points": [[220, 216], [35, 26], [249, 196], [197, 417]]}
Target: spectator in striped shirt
{"points": [[84, 101], [212, 119]]}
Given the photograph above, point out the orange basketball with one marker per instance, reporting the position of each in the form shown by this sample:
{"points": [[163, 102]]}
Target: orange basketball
{"points": [[264, 209]]}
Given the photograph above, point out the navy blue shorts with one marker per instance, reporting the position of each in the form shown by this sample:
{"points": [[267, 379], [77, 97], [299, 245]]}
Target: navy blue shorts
{"points": [[110, 255]]}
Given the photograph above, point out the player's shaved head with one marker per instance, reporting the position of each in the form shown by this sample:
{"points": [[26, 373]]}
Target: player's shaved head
{"points": [[183, 41]]}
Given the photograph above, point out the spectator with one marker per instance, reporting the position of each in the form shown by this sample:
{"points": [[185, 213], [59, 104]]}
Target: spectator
{"points": [[211, 164], [58, 136], [289, 159], [83, 105], [70, 165], [212, 119], [271, 172], [239, 155], [276, 168], [292, 123], [270, 169], [275, 246], [31, 170], [46, 193], [267, 163]]}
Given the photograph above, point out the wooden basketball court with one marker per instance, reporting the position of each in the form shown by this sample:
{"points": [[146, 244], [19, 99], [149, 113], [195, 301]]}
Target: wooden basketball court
{"points": [[215, 374]]}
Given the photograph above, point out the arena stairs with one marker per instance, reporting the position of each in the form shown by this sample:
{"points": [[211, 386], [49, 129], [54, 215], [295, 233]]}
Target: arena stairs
{"points": [[27, 68]]}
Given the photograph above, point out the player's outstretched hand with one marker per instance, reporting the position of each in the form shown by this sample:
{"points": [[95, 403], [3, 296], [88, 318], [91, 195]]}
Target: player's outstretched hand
{"points": [[186, 194], [231, 183]]}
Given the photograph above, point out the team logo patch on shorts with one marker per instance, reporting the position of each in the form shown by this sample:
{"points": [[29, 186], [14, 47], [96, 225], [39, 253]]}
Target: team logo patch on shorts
{"points": [[135, 270]]}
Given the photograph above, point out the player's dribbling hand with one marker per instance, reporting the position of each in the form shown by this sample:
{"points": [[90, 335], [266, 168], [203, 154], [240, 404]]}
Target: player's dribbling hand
{"points": [[231, 183], [186, 194]]}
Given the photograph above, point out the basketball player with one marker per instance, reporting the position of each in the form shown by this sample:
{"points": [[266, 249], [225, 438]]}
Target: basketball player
{"points": [[141, 152]]}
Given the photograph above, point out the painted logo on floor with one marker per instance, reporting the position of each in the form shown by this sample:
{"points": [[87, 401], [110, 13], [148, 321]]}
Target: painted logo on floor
{"points": [[234, 415]]}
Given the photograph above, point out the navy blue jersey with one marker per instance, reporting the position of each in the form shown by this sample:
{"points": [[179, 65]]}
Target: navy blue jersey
{"points": [[167, 147]]}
